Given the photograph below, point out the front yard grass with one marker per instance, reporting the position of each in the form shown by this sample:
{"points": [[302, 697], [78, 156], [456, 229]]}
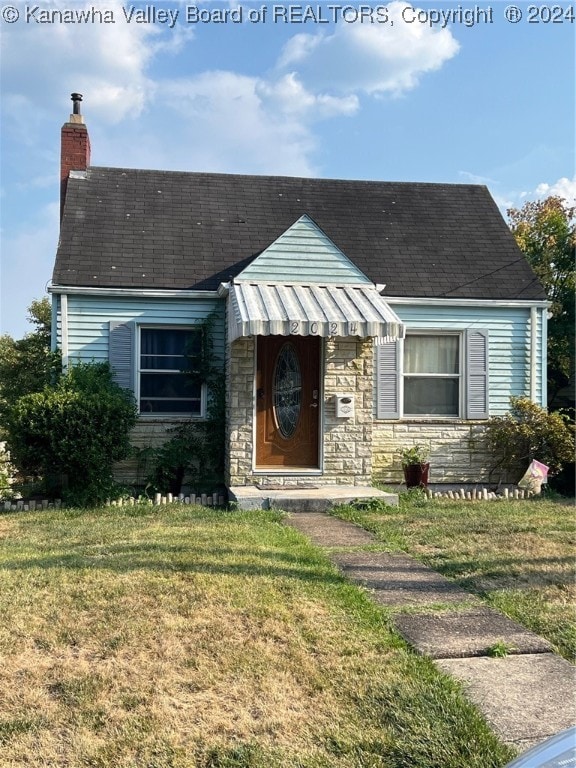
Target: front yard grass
{"points": [[518, 556], [173, 637]]}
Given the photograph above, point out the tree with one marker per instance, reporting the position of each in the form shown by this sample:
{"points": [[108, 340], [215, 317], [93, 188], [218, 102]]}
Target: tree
{"points": [[27, 365], [545, 231]]}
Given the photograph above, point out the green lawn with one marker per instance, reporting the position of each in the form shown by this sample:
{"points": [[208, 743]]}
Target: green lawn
{"points": [[172, 637], [518, 555]]}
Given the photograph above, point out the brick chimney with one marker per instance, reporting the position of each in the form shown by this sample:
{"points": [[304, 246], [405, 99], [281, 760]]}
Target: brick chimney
{"points": [[75, 147]]}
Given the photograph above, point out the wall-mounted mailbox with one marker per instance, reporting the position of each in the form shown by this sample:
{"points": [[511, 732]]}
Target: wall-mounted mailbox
{"points": [[344, 406]]}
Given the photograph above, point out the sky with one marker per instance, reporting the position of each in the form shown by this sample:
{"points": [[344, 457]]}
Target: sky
{"points": [[430, 91]]}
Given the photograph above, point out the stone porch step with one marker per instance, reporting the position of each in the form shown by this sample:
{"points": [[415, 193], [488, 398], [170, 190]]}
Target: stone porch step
{"points": [[305, 499]]}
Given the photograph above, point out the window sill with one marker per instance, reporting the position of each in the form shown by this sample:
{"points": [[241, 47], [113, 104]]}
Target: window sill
{"points": [[175, 417], [292, 471], [430, 420], [434, 419]]}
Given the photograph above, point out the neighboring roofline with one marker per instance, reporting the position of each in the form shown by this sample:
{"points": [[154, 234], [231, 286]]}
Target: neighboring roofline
{"points": [[149, 293], [434, 301]]}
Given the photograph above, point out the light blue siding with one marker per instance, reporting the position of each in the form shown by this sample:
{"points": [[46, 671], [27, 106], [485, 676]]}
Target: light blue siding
{"points": [[304, 254], [89, 320], [509, 344]]}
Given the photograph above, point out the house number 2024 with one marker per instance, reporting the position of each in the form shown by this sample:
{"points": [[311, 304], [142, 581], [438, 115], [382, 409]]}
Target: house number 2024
{"points": [[315, 327]]}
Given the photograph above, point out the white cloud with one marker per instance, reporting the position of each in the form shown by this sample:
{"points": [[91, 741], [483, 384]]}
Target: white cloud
{"points": [[228, 121], [474, 178], [107, 60], [564, 187], [369, 58], [288, 95]]}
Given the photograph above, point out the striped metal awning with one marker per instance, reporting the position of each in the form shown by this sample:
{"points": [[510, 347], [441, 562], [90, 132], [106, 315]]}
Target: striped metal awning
{"points": [[273, 309]]}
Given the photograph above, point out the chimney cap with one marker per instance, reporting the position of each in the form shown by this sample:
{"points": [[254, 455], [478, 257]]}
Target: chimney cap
{"points": [[76, 99]]}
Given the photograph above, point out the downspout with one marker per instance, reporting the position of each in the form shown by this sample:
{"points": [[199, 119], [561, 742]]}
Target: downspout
{"points": [[54, 326], [533, 355], [64, 329]]}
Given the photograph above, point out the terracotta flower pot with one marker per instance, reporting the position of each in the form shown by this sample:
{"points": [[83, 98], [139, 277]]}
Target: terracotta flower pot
{"points": [[416, 475]]}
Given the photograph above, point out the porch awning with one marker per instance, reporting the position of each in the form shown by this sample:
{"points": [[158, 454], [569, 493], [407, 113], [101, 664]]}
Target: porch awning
{"points": [[273, 309]]}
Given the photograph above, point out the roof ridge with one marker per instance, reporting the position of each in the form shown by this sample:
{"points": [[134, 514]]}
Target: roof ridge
{"points": [[279, 177]]}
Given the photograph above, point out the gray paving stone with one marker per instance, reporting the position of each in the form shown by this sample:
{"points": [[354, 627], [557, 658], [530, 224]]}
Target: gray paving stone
{"points": [[526, 699], [399, 580], [466, 633], [329, 531]]}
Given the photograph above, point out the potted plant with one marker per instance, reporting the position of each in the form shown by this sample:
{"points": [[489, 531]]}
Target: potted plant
{"points": [[416, 466]]}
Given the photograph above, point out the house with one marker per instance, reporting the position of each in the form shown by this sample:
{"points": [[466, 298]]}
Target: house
{"points": [[353, 318]]}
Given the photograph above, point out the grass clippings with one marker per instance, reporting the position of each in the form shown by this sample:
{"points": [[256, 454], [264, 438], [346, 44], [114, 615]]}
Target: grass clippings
{"points": [[180, 637]]}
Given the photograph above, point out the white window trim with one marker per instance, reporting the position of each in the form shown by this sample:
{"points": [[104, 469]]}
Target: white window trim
{"points": [[461, 375], [176, 416]]}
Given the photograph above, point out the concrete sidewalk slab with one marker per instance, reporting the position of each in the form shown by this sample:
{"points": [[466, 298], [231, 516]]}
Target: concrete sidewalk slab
{"points": [[526, 699], [466, 633], [330, 531], [399, 580]]}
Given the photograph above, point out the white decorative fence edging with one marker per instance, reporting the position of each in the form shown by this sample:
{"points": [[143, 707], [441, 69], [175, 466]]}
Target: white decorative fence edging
{"points": [[203, 500], [31, 505], [480, 494]]}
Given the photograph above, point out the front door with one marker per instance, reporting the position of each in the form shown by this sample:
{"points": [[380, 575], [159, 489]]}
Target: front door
{"points": [[287, 402]]}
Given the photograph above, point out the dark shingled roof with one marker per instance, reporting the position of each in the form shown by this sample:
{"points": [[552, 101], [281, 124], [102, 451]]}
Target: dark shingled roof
{"points": [[163, 229]]}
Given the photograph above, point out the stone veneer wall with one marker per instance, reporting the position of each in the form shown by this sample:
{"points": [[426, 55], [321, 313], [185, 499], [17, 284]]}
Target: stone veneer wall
{"points": [[458, 450], [239, 411], [349, 368], [347, 455]]}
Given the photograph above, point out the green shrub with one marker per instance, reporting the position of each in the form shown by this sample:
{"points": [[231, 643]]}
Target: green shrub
{"points": [[529, 432], [70, 435]]}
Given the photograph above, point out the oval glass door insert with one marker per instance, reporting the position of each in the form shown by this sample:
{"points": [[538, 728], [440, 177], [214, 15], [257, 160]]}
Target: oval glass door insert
{"points": [[287, 388]]}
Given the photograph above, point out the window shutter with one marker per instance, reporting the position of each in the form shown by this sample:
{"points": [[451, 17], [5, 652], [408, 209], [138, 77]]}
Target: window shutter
{"points": [[121, 353], [388, 380], [477, 374]]}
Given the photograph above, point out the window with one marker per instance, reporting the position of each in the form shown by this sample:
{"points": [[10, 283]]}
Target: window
{"points": [[166, 360], [435, 375], [432, 375]]}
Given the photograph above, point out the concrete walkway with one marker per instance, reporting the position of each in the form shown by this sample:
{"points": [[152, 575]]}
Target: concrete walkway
{"points": [[526, 696]]}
